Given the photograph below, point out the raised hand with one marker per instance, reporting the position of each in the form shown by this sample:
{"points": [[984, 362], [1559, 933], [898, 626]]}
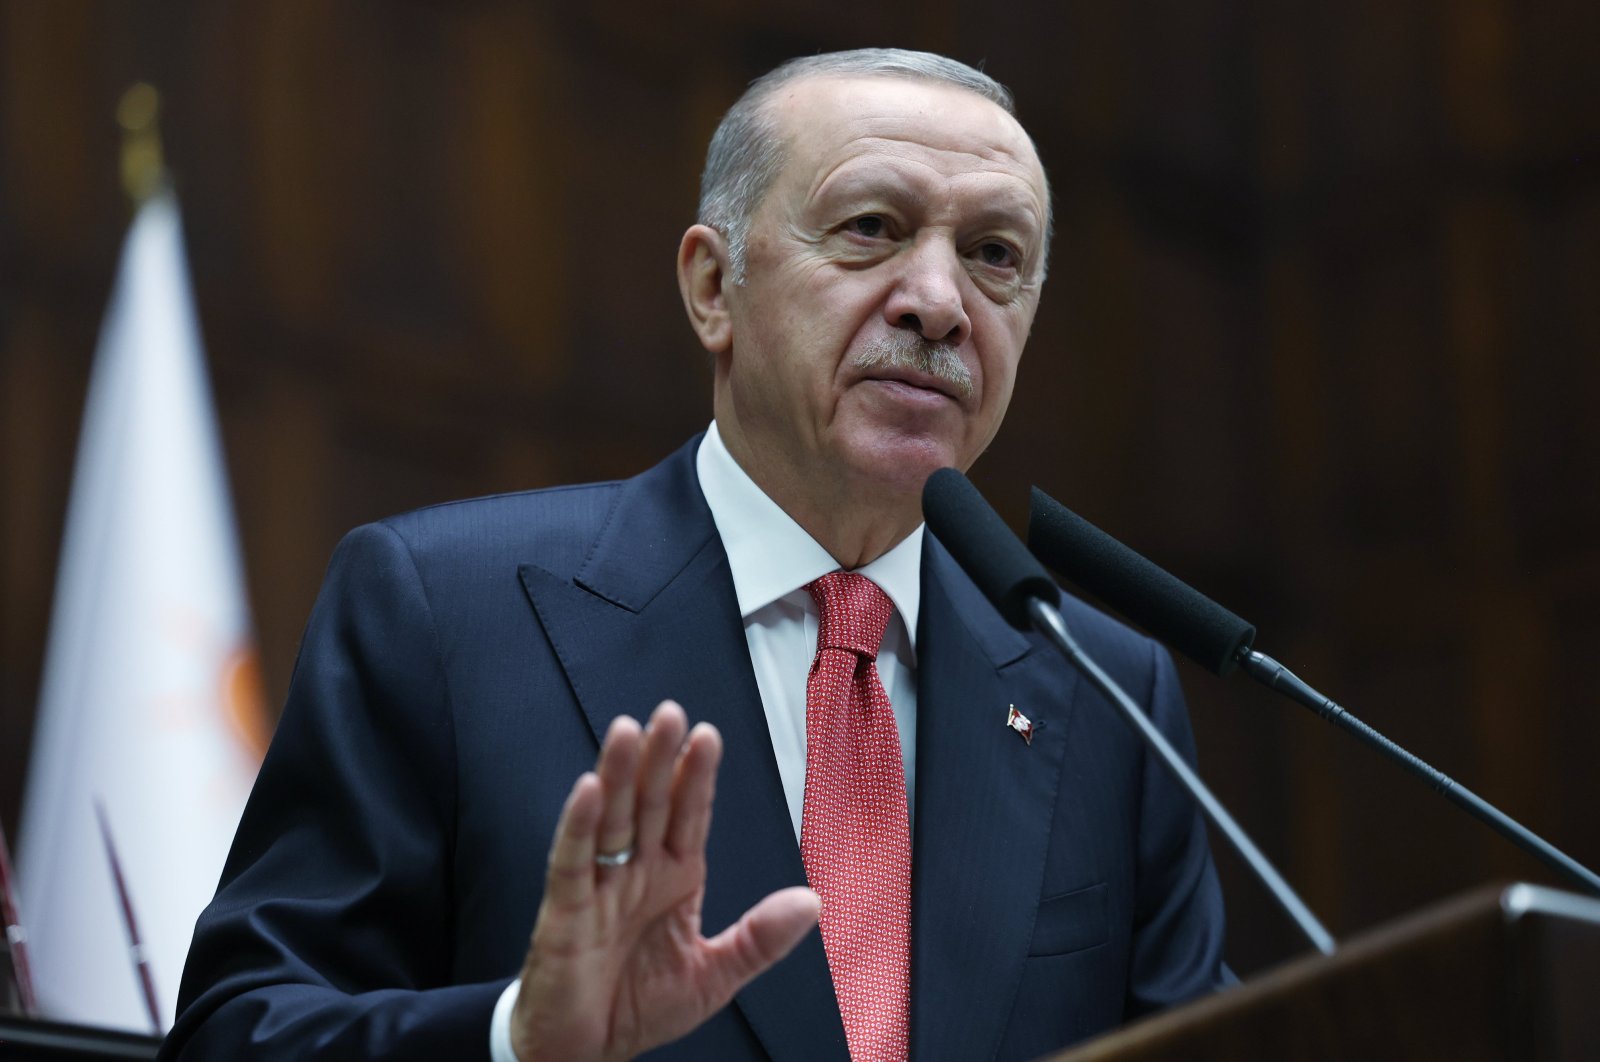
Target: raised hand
{"points": [[617, 964]]}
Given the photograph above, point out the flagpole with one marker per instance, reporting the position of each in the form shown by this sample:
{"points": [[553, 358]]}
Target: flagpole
{"points": [[16, 937], [141, 960]]}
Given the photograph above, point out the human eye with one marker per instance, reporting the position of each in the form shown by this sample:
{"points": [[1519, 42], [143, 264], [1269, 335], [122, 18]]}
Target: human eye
{"points": [[869, 226], [997, 254]]}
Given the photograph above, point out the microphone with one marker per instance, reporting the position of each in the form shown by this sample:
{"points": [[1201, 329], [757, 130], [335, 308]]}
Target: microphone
{"points": [[1176, 613], [994, 558], [1023, 592], [1170, 609]]}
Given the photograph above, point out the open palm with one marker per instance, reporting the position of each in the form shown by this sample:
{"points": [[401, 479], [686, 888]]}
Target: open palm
{"points": [[617, 964]]}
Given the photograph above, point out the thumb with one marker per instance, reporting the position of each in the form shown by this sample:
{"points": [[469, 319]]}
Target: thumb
{"points": [[755, 943]]}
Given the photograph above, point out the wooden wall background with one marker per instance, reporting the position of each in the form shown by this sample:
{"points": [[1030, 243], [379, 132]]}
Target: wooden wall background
{"points": [[1322, 333]]}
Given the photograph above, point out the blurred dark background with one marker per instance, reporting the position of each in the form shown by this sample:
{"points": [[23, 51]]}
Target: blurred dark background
{"points": [[1322, 334]]}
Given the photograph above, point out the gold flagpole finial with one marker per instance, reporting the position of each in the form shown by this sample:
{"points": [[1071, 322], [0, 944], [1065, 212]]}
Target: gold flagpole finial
{"points": [[139, 114]]}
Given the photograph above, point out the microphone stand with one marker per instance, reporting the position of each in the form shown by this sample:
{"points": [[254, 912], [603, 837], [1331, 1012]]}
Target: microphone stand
{"points": [[1047, 620], [1275, 676], [1217, 640], [1023, 592]]}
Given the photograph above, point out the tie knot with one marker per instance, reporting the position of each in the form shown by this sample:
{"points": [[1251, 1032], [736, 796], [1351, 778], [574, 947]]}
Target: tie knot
{"points": [[855, 611]]}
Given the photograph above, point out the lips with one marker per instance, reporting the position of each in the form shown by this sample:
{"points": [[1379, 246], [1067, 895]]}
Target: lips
{"points": [[911, 380]]}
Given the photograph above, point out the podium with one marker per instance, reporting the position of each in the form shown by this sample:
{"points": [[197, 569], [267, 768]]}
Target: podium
{"points": [[1503, 973]]}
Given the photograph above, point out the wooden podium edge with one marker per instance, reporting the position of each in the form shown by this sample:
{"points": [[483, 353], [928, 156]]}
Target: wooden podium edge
{"points": [[1488, 910]]}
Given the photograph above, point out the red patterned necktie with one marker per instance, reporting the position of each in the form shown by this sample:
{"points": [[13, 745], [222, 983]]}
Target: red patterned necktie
{"points": [[855, 836]]}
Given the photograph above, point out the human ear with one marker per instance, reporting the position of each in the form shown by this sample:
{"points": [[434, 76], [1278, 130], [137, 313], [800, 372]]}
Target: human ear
{"points": [[702, 271]]}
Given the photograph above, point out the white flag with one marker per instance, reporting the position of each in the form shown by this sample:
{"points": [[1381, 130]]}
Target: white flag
{"points": [[150, 702]]}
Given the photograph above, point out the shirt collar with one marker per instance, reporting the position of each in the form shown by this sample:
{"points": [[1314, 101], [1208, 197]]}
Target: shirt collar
{"points": [[772, 556]]}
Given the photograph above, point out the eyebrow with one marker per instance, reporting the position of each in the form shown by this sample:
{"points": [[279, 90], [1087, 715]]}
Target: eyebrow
{"points": [[1006, 209]]}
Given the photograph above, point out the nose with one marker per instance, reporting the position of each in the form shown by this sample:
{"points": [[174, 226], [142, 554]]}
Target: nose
{"points": [[927, 293]]}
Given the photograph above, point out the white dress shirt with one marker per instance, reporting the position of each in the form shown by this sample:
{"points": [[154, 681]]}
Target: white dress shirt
{"points": [[772, 559]]}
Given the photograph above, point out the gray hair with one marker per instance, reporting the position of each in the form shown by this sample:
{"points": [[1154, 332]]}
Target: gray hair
{"points": [[747, 151]]}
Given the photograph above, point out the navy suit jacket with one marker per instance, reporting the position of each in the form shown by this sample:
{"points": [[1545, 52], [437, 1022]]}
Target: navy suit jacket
{"points": [[458, 670]]}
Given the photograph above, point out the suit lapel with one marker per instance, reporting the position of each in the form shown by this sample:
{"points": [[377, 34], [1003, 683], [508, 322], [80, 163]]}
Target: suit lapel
{"points": [[984, 803], [651, 614]]}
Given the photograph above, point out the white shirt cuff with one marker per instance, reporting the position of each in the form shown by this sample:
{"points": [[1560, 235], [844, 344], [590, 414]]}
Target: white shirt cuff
{"points": [[500, 1025]]}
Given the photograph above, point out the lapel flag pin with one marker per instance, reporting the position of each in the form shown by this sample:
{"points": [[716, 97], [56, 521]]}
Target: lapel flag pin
{"points": [[1020, 723]]}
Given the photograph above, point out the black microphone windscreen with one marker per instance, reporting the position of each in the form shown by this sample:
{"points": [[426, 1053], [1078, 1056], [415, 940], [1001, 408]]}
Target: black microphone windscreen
{"points": [[987, 550], [1156, 600]]}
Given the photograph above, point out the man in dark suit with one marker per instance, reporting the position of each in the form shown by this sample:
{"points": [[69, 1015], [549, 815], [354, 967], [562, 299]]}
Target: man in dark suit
{"points": [[999, 869]]}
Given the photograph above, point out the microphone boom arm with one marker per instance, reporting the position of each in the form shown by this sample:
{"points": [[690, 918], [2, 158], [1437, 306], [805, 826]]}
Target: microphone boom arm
{"points": [[1270, 673], [1218, 640], [1047, 620]]}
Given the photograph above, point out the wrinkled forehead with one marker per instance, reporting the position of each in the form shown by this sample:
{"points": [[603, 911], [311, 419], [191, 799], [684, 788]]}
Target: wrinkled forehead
{"points": [[824, 120]]}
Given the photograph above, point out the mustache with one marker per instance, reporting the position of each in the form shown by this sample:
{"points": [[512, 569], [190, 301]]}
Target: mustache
{"points": [[904, 349]]}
